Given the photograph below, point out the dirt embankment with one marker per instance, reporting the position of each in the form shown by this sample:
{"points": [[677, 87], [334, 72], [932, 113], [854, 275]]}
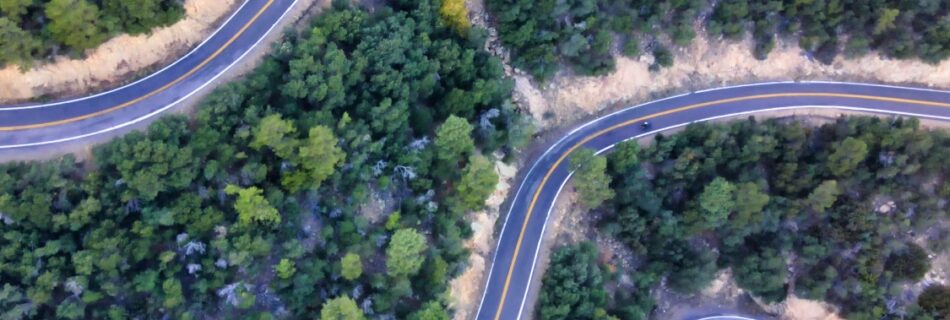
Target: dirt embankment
{"points": [[466, 290], [117, 60], [706, 64]]}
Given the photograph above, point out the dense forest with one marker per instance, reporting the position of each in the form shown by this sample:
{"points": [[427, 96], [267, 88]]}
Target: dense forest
{"points": [[34, 29], [574, 285], [581, 33], [837, 212], [332, 180], [585, 33], [895, 28]]}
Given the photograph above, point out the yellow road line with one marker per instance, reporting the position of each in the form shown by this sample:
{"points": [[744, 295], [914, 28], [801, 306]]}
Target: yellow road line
{"points": [[153, 92], [537, 193]]}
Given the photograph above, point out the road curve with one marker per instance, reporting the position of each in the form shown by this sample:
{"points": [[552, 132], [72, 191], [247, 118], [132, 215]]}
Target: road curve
{"points": [[516, 255], [32, 125]]}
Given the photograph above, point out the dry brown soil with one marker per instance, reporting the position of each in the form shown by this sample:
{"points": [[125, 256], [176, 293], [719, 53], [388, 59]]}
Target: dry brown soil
{"points": [[118, 59], [466, 290], [706, 64]]}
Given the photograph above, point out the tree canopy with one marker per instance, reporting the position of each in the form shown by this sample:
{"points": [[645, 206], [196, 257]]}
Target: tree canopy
{"points": [[252, 207], [581, 33], [898, 29], [32, 30], [477, 183], [351, 266], [341, 308], [573, 285], [585, 35], [431, 311], [717, 201], [455, 14], [590, 179], [453, 139], [840, 203], [404, 254], [935, 301]]}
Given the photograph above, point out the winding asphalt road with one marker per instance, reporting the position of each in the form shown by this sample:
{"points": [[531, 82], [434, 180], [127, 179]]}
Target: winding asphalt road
{"points": [[35, 125], [42, 125], [516, 255]]}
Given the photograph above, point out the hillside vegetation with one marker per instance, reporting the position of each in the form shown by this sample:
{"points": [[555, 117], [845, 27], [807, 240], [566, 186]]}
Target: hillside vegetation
{"points": [[260, 206], [584, 34], [829, 213]]}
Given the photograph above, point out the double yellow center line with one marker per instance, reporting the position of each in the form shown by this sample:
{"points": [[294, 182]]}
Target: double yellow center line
{"points": [[153, 92], [537, 193]]}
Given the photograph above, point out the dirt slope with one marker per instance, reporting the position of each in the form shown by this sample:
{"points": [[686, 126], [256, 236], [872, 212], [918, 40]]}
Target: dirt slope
{"points": [[466, 290], [117, 60], [707, 64]]}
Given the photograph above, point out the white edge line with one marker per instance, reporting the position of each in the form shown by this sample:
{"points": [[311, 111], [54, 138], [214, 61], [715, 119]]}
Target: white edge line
{"points": [[543, 228], [213, 34], [607, 148], [592, 122], [505, 225], [755, 85], [535, 164], [876, 85], [153, 113], [748, 85], [559, 141], [538, 249]]}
